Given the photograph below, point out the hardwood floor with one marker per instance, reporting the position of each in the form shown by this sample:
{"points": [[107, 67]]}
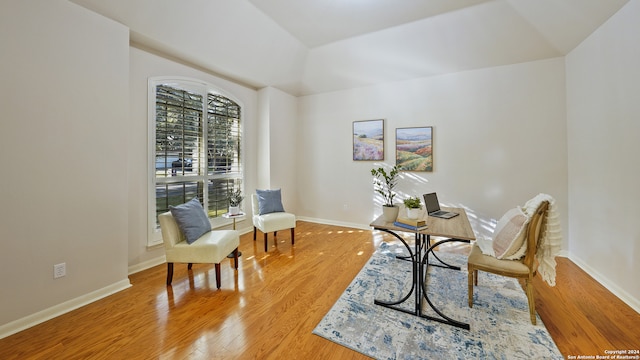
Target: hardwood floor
{"points": [[268, 309]]}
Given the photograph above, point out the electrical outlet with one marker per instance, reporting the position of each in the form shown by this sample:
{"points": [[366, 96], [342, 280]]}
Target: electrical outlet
{"points": [[59, 270]]}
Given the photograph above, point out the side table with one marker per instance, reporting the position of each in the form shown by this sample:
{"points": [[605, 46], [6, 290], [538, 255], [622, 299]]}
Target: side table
{"points": [[234, 217]]}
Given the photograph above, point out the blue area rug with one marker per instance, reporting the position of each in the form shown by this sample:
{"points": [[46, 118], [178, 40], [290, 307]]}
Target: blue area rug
{"points": [[499, 319]]}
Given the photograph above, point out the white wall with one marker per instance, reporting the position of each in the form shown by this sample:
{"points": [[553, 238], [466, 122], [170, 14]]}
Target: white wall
{"points": [[603, 117], [64, 148], [143, 66], [278, 144], [263, 154], [499, 140]]}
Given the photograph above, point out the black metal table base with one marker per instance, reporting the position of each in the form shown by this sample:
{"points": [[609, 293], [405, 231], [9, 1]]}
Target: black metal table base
{"points": [[420, 264]]}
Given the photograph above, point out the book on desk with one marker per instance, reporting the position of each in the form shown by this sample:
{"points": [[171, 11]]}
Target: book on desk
{"points": [[411, 224]]}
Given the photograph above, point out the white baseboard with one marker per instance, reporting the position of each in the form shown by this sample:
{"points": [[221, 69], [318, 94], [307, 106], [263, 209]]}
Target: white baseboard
{"points": [[245, 230], [147, 264], [609, 285], [335, 223], [63, 308]]}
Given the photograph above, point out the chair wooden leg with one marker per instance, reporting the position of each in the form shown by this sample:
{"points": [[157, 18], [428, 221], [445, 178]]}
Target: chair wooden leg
{"points": [[169, 273], [217, 275], [235, 258], [293, 237], [470, 285], [254, 233], [189, 266], [265, 242], [532, 303], [475, 277]]}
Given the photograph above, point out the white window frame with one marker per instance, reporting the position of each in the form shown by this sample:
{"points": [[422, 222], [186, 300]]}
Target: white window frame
{"points": [[154, 235]]}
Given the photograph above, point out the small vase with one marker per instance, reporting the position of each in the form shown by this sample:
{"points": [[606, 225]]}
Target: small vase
{"points": [[390, 213], [234, 210], [413, 213]]}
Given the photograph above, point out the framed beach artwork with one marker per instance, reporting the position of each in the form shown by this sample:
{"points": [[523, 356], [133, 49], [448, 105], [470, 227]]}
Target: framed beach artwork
{"points": [[368, 140], [414, 151]]}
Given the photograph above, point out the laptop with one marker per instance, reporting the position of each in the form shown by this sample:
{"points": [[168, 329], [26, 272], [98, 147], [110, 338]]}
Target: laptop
{"points": [[433, 207]]}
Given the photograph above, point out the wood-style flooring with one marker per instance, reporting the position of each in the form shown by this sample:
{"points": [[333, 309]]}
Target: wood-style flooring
{"points": [[268, 309]]}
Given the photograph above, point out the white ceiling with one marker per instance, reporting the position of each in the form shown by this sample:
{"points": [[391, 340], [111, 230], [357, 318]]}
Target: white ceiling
{"points": [[312, 46], [319, 22]]}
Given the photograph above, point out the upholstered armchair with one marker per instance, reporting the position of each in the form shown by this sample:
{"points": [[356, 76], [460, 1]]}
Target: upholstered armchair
{"points": [[524, 268], [211, 247], [272, 218]]}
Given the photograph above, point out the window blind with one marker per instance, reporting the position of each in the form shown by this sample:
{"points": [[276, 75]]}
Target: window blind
{"points": [[194, 157]]}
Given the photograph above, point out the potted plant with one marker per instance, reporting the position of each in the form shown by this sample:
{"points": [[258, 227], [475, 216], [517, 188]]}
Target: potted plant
{"points": [[413, 206], [384, 183], [235, 198]]}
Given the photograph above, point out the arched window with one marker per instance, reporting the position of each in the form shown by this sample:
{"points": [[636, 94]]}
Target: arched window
{"points": [[197, 135]]}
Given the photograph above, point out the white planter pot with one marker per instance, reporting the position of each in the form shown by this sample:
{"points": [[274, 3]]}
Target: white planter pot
{"points": [[234, 210], [413, 213], [390, 213]]}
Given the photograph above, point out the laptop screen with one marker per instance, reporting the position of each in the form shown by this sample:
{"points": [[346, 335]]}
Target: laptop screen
{"points": [[431, 202]]}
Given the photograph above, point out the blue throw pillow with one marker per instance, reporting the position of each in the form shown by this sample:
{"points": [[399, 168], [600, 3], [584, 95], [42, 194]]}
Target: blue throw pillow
{"points": [[192, 219], [269, 201]]}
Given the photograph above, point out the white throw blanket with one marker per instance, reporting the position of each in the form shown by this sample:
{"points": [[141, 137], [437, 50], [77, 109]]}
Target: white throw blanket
{"points": [[549, 243], [550, 240]]}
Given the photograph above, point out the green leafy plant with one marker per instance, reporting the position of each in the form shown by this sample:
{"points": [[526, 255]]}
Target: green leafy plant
{"points": [[412, 203], [235, 198], [384, 183]]}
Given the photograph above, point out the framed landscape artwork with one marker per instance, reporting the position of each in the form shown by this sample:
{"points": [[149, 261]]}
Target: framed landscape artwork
{"points": [[368, 140], [414, 151]]}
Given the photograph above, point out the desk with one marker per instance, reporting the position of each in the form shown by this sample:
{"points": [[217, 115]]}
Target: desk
{"points": [[454, 229]]}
